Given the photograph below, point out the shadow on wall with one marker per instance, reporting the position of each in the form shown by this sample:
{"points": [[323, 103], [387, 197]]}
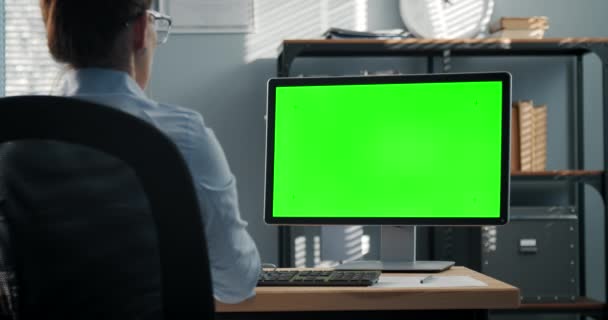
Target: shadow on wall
{"points": [[455, 21], [276, 20]]}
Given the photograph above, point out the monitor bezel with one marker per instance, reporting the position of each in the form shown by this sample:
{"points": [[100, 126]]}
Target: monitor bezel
{"points": [[503, 77]]}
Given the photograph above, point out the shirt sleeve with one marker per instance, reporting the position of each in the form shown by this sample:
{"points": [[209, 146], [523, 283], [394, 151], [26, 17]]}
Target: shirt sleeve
{"points": [[233, 255]]}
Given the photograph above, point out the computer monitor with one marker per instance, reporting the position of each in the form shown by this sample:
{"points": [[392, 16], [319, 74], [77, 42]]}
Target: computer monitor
{"points": [[401, 151]]}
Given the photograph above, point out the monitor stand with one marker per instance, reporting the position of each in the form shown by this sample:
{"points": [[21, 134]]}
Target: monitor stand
{"points": [[397, 254]]}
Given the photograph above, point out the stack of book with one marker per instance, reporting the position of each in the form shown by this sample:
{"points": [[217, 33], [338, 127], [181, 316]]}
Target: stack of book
{"points": [[519, 27], [528, 137]]}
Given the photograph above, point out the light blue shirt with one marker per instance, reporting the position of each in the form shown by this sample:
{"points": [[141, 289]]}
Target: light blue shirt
{"points": [[233, 256]]}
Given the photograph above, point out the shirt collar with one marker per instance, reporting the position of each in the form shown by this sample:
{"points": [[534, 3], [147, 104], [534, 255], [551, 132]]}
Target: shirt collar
{"points": [[99, 81]]}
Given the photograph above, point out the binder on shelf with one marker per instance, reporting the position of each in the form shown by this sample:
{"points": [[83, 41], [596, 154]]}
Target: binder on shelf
{"points": [[539, 144], [515, 150], [526, 137]]}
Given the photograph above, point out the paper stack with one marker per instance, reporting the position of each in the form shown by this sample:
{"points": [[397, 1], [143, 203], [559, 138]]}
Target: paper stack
{"points": [[519, 27], [528, 137], [339, 33]]}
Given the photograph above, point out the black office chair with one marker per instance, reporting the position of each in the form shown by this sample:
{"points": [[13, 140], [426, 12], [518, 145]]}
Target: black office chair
{"points": [[163, 174]]}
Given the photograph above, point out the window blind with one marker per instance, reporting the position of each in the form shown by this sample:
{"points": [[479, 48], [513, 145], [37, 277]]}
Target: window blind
{"points": [[29, 68], [1, 48]]}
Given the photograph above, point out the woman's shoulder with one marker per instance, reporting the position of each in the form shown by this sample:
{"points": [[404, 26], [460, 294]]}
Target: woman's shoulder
{"points": [[177, 109], [175, 114], [198, 144]]}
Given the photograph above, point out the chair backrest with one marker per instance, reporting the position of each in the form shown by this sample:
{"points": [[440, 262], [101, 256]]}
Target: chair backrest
{"points": [[163, 174]]}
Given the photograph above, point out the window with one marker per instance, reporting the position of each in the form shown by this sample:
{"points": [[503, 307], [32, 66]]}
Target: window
{"points": [[1, 48], [29, 68]]}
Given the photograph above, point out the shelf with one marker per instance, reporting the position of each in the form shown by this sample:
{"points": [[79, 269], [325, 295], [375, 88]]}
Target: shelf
{"points": [[437, 47], [488, 46], [558, 174], [582, 304], [594, 178]]}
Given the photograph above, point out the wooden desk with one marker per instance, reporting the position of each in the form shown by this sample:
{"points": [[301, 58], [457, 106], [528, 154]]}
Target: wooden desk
{"points": [[332, 302]]}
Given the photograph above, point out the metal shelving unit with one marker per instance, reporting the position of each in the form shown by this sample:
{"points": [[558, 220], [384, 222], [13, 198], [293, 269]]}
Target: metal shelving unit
{"points": [[589, 177], [432, 49]]}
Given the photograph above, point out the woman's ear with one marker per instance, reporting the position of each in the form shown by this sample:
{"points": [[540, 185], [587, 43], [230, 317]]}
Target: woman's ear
{"points": [[140, 26]]}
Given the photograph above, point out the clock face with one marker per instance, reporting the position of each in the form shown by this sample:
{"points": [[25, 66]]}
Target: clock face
{"points": [[446, 19]]}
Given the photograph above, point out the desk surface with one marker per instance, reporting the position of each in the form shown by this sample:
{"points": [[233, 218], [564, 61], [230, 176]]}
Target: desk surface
{"points": [[497, 295]]}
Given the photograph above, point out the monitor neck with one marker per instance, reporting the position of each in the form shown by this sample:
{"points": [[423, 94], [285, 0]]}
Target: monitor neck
{"points": [[397, 254], [398, 243]]}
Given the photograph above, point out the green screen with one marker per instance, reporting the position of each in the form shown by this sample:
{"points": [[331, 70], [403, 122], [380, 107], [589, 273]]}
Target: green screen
{"points": [[418, 150]]}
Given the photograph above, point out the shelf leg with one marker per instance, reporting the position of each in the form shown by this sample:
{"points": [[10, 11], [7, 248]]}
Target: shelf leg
{"points": [[601, 50]]}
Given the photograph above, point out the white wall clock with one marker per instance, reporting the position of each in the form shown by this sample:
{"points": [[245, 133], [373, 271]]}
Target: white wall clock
{"points": [[446, 19]]}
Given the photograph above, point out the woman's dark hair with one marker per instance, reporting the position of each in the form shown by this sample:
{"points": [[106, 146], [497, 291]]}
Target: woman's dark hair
{"points": [[82, 33]]}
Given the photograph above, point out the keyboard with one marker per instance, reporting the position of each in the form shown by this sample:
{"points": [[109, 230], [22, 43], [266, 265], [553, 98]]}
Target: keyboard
{"points": [[317, 278]]}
